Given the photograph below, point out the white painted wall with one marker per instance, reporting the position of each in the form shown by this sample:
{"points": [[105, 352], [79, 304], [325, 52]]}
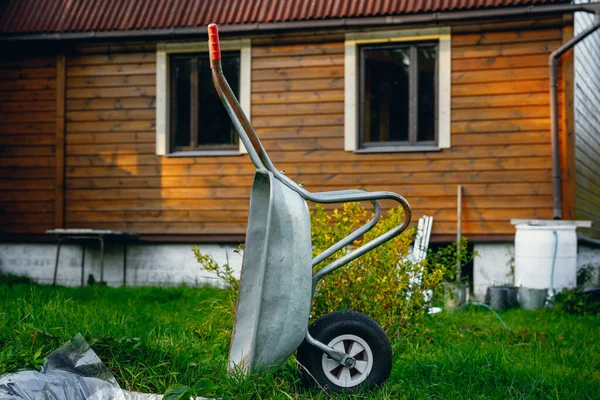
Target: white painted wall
{"points": [[174, 264], [147, 264], [493, 266]]}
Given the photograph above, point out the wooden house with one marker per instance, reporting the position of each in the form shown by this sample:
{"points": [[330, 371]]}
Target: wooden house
{"points": [[108, 119]]}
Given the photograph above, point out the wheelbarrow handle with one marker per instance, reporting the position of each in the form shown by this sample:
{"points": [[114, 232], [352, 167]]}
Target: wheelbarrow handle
{"points": [[213, 43], [256, 151], [351, 237], [364, 196]]}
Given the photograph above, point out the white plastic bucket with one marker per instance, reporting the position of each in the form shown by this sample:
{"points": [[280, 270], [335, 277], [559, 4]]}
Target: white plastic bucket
{"points": [[537, 247]]}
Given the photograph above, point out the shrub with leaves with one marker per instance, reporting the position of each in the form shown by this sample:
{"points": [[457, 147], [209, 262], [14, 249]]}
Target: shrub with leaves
{"points": [[448, 257], [576, 301], [378, 283]]}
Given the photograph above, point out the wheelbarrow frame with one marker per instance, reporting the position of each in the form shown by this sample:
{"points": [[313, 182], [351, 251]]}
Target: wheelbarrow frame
{"points": [[262, 162]]}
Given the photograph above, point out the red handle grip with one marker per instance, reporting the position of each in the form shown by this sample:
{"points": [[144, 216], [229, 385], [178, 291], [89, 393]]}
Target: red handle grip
{"points": [[213, 43]]}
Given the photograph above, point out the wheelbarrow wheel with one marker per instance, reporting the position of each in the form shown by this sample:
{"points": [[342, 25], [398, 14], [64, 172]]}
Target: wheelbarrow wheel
{"points": [[358, 336]]}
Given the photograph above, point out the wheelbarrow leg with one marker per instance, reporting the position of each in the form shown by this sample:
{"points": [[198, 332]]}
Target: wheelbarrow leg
{"points": [[337, 355]]}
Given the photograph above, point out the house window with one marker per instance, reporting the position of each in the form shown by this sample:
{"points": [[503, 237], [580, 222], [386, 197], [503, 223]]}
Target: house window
{"points": [[397, 94], [398, 91], [190, 118], [198, 119]]}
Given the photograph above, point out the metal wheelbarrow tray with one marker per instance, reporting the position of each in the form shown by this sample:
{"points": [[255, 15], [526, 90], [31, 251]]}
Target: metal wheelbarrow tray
{"points": [[341, 351]]}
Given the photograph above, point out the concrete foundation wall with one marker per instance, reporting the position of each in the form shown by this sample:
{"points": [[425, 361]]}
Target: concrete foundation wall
{"points": [[494, 266], [147, 264], [174, 264]]}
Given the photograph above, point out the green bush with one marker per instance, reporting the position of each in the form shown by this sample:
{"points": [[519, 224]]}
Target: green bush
{"points": [[377, 283], [446, 258], [575, 301]]}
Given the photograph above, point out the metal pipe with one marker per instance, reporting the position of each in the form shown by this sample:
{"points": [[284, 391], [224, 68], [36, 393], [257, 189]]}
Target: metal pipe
{"points": [[436, 17], [553, 61]]}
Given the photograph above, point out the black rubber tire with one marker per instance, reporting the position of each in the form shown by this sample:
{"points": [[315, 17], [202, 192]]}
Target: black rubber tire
{"points": [[332, 326]]}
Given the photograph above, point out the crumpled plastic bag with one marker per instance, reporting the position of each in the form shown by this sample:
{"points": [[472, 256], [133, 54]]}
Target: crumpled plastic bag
{"points": [[72, 372]]}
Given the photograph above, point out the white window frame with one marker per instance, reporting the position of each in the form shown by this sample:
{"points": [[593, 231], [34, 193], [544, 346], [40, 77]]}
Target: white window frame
{"points": [[352, 84], [163, 50]]}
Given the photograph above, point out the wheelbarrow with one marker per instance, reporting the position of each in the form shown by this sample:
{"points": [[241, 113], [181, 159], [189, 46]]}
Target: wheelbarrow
{"points": [[344, 350]]}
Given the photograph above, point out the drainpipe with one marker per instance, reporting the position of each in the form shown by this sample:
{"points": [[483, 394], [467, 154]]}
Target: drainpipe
{"points": [[553, 61]]}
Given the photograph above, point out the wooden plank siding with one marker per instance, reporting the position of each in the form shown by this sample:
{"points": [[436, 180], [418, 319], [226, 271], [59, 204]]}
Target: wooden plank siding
{"points": [[110, 113], [500, 141], [495, 127], [587, 126], [27, 143]]}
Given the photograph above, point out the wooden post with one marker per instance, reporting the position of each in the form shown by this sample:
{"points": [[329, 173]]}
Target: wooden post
{"points": [[59, 182], [458, 229]]}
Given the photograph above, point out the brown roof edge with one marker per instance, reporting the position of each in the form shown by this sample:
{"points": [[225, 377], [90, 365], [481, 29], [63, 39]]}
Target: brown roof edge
{"points": [[436, 17]]}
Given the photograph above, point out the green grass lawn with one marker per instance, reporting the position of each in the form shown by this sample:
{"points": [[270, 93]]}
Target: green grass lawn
{"points": [[152, 338]]}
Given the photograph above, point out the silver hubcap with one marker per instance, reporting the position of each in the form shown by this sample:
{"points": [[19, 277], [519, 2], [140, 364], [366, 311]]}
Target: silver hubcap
{"points": [[342, 375]]}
